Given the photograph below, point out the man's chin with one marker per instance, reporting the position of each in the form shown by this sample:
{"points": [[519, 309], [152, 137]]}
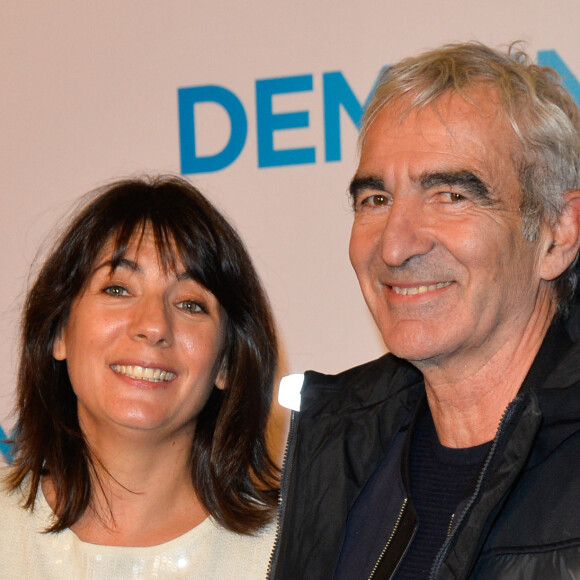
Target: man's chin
{"points": [[417, 345]]}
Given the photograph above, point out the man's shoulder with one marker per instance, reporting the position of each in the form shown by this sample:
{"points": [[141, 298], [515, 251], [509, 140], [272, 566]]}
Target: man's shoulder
{"points": [[364, 383], [385, 364]]}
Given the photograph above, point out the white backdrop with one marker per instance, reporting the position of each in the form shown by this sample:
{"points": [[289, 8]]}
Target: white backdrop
{"points": [[90, 93]]}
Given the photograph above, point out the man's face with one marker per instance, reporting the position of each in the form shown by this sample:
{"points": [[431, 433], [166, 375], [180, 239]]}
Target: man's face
{"points": [[437, 243]]}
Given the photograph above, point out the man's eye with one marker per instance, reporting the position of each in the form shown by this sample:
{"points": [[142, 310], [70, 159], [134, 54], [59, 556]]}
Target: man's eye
{"points": [[115, 291], [190, 306], [376, 200], [379, 200], [453, 197]]}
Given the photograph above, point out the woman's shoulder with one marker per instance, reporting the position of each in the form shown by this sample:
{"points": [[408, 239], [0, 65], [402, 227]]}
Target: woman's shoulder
{"points": [[224, 536], [12, 501], [211, 541], [9, 498], [225, 552]]}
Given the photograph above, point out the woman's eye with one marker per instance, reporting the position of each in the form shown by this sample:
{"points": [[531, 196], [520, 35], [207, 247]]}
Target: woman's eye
{"points": [[115, 291], [190, 306]]}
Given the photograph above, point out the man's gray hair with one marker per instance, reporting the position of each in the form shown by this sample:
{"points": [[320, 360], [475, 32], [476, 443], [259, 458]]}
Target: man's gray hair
{"points": [[540, 110]]}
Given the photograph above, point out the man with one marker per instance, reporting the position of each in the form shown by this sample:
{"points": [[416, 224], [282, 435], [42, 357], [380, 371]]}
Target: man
{"points": [[457, 455]]}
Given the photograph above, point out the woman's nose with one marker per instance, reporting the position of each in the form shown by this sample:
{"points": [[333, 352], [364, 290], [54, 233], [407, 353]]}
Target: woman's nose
{"points": [[151, 323]]}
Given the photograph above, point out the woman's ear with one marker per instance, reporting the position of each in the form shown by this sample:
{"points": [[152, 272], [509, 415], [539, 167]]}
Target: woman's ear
{"points": [[563, 240], [220, 381], [59, 346]]}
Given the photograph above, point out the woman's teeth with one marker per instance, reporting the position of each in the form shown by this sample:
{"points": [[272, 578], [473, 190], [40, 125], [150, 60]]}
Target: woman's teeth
{"points": [[144, 373]]}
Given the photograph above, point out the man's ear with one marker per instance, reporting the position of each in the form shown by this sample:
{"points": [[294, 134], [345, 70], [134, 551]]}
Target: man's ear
{"points": [[563, 240], [59, 346]]}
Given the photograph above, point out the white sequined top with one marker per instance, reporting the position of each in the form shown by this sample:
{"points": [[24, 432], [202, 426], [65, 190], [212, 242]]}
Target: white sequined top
{"points": [[207, 552]]}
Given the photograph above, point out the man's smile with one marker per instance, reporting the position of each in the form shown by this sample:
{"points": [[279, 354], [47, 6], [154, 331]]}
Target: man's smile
{"points": [[410, 290]]}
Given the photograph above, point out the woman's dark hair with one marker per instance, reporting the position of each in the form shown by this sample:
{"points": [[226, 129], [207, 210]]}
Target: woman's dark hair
{"points": [[231, 469]]}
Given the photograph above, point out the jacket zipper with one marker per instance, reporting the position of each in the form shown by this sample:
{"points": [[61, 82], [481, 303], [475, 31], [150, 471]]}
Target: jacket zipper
{"points": [[399, 518], [438, 562], [286, 470], [450, 526]]}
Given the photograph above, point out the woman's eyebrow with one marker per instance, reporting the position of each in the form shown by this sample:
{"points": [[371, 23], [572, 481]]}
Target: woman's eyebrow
{"points": [[120, 263], [185, 275]]}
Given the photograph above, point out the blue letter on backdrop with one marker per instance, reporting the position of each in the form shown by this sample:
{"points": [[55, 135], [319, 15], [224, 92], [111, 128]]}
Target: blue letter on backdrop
{"points": [[190, 162], [5, 448], [552, 58], [337, 92], [268, 122]]}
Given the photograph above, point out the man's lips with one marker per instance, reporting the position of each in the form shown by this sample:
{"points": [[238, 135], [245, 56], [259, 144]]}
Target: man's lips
{"points": [[152, 374], [419, 289]]}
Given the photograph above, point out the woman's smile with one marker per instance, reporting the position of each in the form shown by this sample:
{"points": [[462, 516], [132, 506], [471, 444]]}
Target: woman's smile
{"points": [[154, 375]]}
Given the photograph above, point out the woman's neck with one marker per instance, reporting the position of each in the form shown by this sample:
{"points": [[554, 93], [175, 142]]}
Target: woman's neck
{"points": [[142, 494]]}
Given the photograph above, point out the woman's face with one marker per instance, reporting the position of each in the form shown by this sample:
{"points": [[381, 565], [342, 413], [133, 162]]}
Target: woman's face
{"points": [[141, 346]]}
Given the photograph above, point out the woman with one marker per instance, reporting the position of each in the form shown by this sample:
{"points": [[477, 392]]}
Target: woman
{"points": [[147, 360]]}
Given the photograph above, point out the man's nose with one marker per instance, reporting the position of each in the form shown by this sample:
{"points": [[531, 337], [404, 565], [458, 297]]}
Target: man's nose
{"points": [[405, 234], [151, 322]]}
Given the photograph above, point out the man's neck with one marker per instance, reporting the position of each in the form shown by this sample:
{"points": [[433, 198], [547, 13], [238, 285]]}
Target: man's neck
{"points": [[468, 398]]}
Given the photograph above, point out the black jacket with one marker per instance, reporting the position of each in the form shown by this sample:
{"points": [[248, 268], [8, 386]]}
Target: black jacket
{"points": [[523, 520]]}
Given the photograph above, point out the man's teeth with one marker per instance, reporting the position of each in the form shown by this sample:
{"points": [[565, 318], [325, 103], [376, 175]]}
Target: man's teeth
{"points": [[419, 289], [144, 373]]}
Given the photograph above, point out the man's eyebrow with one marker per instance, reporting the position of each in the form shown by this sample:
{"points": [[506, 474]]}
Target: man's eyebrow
{"points": [[369, 182], [467, 180]]}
